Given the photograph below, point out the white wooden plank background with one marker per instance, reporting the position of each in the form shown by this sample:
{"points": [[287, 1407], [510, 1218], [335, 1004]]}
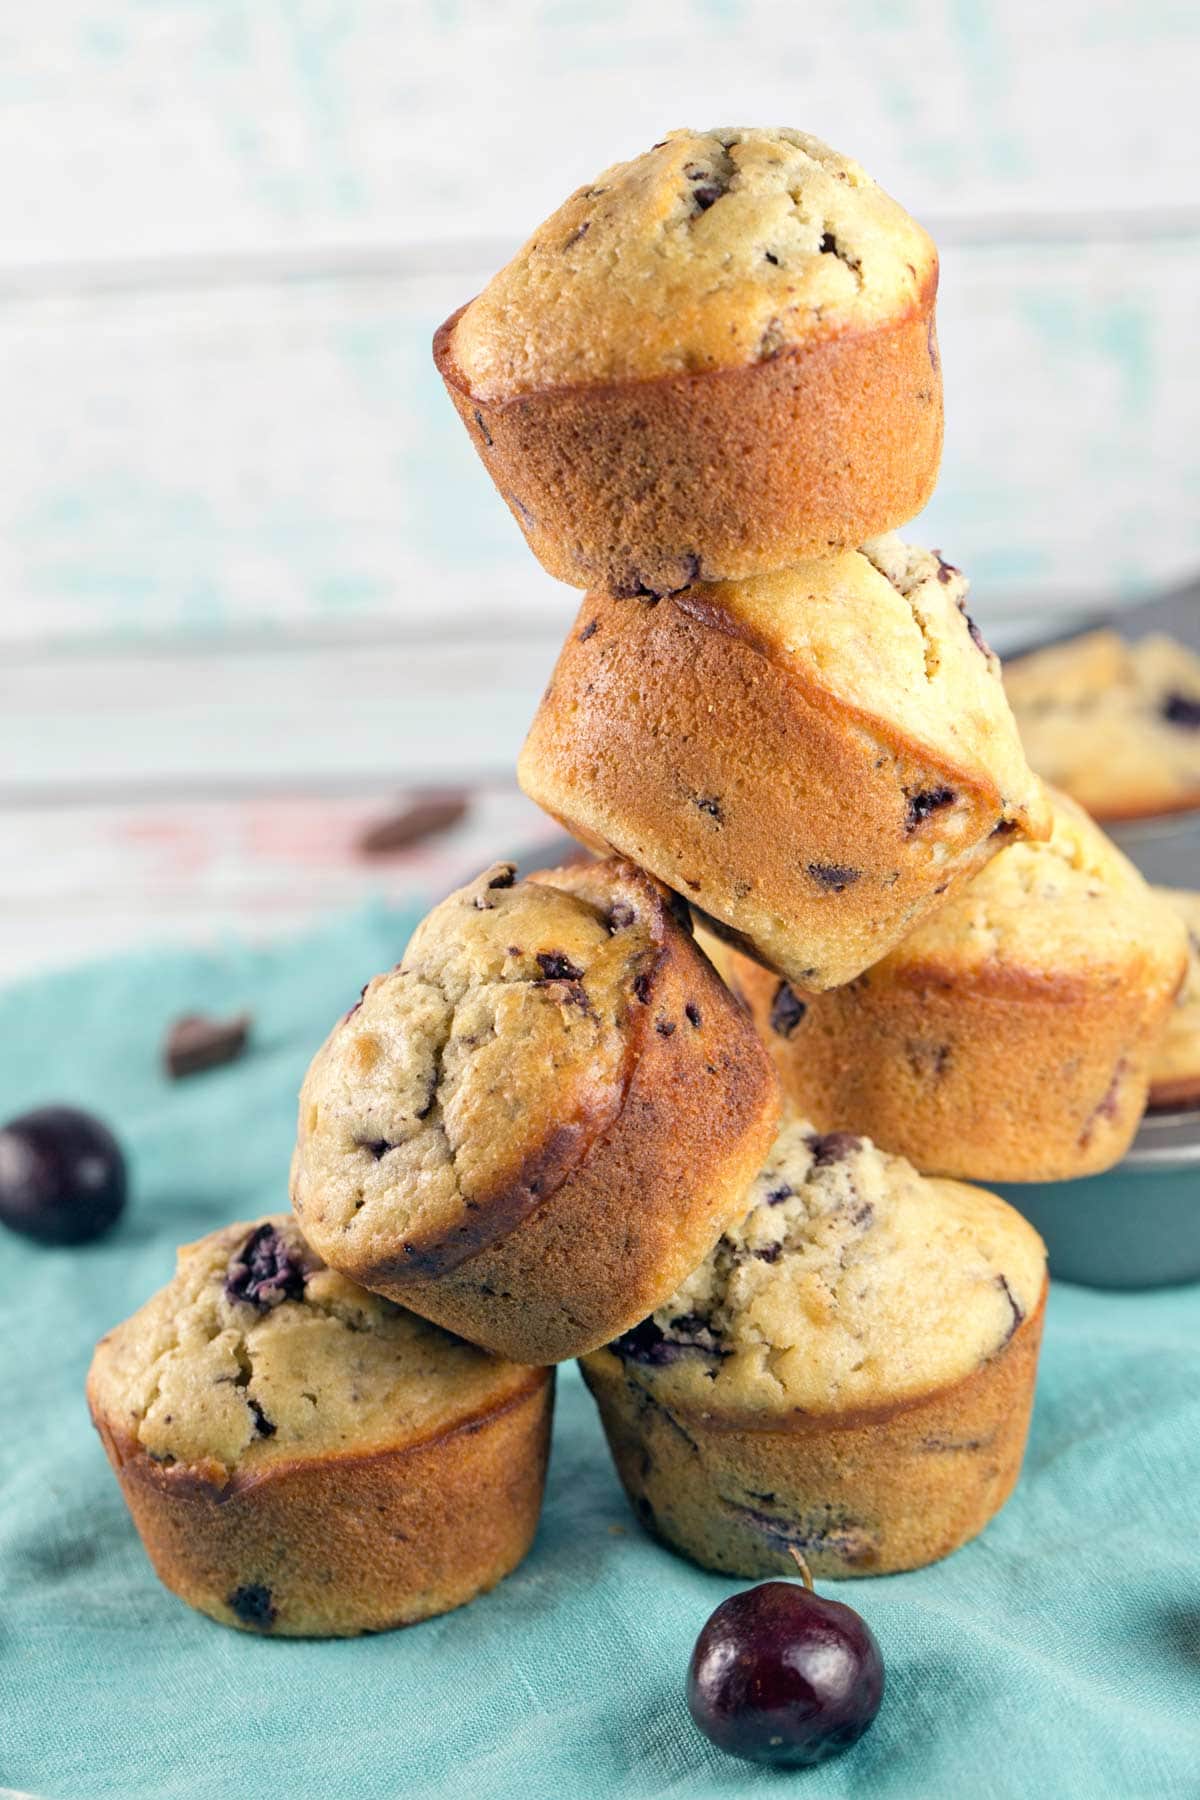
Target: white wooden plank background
{"points": [[249, 565]]}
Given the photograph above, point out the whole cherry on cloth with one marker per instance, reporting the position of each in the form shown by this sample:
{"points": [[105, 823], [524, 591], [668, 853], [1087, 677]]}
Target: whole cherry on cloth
{"points": [[62, 1176], [781, 1675]]}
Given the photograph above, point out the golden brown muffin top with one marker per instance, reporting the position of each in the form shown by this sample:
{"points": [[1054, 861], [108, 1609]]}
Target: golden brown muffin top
{"points": [[1117, 725], [473, 1077], [712, 250], [1072, 906], [257, 1354], [852, 1284], [1178, 1056]]}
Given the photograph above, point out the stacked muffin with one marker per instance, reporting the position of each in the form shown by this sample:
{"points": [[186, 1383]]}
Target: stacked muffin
{"points": [[709, 390]]}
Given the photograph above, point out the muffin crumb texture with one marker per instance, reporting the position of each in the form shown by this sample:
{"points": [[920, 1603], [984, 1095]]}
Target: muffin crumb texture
{"points": [[852, 1283], [256, 1354], [710, 250], [500, 1037]]}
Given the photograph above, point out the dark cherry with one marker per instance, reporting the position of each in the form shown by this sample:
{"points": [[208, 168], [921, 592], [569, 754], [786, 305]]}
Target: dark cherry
{"points": [[781, 1675], [62, 1176]]}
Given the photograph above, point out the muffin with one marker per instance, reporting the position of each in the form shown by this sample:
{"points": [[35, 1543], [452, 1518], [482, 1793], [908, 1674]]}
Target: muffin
{"points": [[305, 1459], [849, 1373], [1012, 1036], [1116, 725], [1175, 1070], [812, 757], [539, 1121], [713, 361]]}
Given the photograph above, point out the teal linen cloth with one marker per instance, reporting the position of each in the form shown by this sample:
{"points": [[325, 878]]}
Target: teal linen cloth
{"points": [[1057, 1656]]}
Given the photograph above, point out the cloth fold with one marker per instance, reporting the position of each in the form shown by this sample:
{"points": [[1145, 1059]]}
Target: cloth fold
{"points": [[1057, 1655]]}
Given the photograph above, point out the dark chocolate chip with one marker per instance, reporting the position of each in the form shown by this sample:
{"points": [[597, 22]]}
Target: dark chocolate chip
{"points": [[484, 433], [770, 1254], [1018, 1311], [863, 1215], [946, 570], [621, 914], [195, 1043], [505, 877], [378, 1147], [924, 802], [580, 231], [413, 824], [829, 246], [977, 637], [557, 967], [262, 1425], [589, 630], [787, 1010], [692, 1013], [642, 984], [778, 1195], [836, 877], [253, 1606], [771, 258], [265, 1271], [844, 1538], [706, 195], [707, 803], [647, 1343], [830, 1147], [1182, 709], [665, 1027]]}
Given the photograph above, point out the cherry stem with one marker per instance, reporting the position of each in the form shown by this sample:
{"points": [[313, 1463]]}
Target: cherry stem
{"points": [[805, 1571]]}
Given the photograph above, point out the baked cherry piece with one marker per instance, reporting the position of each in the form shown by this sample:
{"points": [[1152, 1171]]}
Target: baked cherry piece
{"points": [[62, 1176], [781, 1675]]}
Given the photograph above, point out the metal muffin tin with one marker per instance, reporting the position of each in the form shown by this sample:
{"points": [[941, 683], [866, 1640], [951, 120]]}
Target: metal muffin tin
{"points": [[1138, 1225]]}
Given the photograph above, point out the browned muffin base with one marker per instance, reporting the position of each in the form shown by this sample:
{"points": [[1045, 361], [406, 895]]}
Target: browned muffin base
{"points": [[644, 486], [1012, 1078], [338, 1545], [865, 1494]]}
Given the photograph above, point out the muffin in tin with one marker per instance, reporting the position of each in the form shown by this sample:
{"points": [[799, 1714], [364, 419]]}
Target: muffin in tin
{"points": [[1012, 1036], [811, 758], [849, 1373], [305, 1459], [1115, 724], [714, 360], [1175, 1070], [541, 1119]]}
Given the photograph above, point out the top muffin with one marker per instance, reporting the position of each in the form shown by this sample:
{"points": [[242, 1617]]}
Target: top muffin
{"points": [[712, 249]]}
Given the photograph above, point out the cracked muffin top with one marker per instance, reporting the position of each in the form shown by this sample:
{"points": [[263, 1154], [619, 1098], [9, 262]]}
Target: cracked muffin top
{"points": [[852, 1283], [1072, 906], [713, 249], [885, 630], [470, 1080], [257, 1354], [1117, 725]]}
